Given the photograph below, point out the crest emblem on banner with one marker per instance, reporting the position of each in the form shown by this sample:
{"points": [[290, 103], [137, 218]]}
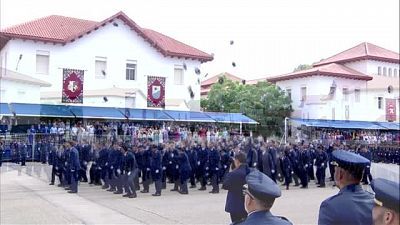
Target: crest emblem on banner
{"points": [[155, 91], [391, 109], [72, 89]]}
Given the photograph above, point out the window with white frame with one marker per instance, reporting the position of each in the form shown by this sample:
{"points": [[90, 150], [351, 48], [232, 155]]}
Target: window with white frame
{"points": [[178, 76], [384, 71], [303, 92], [390, 72], [380, 102], [131, 70], [379, 70], [347, 112], [357, 93], [100, 67], [395, 72], [42, 62], [345, 93]]}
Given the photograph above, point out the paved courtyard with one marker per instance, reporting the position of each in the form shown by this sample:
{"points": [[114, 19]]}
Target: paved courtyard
{"points": [[26, 198]]}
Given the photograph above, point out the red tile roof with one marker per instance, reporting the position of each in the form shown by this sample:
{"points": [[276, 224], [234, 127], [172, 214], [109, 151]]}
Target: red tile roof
{"points": [[61, 29], [363, 51], [332, 70], [214, 79]]}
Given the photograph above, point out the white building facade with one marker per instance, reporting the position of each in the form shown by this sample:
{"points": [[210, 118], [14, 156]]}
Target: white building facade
{"points": [[351, 85], [116, 55]]}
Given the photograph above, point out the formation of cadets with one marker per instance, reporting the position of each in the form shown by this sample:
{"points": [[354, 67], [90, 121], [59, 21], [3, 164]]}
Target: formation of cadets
{"points": [[118, 166]]}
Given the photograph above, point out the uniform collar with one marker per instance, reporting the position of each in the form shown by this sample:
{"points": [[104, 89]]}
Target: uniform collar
{"points": [[259, 213], [351, 188]]}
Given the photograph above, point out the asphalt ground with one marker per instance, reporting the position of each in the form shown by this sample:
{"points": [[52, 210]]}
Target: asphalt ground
{"points": [[26, 198]]}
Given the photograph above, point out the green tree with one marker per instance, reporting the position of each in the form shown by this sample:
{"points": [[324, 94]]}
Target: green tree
{"points": [[302, 67], [264, 102]]}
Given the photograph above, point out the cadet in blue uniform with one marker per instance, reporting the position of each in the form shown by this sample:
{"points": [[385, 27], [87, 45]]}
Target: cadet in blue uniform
{"points": [[184, 170], [192, 154], [214, 164], [146, 172], [234, 182], [287, 168], [202, 167], [321, 164], [156, 169], [387, 202], [367, 172], [352, 205], [130, 171], [23, 150], [74, 166], [260, 194]]}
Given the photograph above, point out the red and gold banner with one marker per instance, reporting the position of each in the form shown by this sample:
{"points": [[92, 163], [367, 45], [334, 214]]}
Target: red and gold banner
{"points": [[156, 92], [72, 89], [390, 109]]}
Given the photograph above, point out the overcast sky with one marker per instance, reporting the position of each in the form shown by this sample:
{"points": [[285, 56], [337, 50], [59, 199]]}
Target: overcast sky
{"points": [[270, 37]]}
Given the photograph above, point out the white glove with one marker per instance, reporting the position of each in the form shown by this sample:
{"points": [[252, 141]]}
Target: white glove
{"points": [[177, 166], [216, 168], [272, 171], [148, 169], [56, 167], [129, 173], [170, 162], [306, 165], [72, 171], [225, 166], [84, 163], [254, 164], [111, 167], [99, 168], [292, 172], [107, 164], [207, 168], [198, 163], [118, 171], [323, 164], [157, 171], [164, 168]]}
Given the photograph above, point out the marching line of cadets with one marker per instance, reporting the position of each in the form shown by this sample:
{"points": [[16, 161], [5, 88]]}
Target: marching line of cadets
{"points": [[260, 165], [117, 166], [120, 166]]}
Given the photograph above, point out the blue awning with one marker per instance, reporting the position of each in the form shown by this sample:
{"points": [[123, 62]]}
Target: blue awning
{"points": [[4, 110], [230, 118], [89, 112], [40, 110], [189, 116], [390, 125], [340, 124], [145, 114]]}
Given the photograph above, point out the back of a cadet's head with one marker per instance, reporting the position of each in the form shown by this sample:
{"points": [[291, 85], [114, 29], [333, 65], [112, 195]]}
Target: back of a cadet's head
{"points": [[240, 157], [260, 192], [387, 197], [349, 167]]}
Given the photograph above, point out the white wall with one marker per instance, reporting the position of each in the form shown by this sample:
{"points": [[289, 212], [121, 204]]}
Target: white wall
{"points": [[117, 44], [11, 91], [320, 86]]}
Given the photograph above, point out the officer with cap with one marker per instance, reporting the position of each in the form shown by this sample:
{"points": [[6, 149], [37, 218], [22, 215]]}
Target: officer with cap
{"points": [[387, 202], [260, 193], [352, 205]]}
